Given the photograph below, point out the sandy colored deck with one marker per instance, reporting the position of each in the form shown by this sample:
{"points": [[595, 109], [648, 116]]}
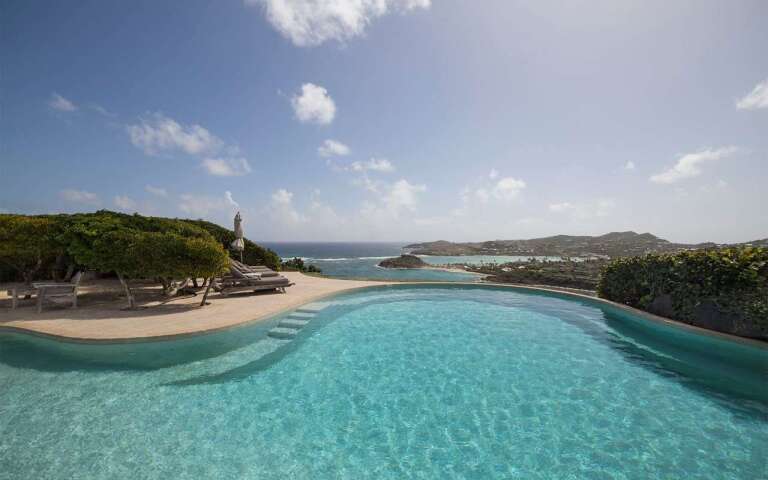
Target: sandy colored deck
{"points": [[183, 316]]}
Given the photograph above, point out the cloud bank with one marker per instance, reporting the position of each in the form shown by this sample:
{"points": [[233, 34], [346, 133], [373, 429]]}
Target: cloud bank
{"points": [[227, 167], [309, 23], [158, 133]]}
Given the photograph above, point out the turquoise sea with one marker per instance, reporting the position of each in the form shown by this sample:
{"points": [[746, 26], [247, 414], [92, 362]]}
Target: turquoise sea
{"points": [[446, 382], [360, 260]]}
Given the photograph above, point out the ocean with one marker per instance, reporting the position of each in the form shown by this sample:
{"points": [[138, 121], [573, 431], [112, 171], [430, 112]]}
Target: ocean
{"points": [[360, 260]]}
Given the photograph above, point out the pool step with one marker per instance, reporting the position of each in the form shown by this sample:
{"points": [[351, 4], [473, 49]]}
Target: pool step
{"points": [[299, 314], [313, 307], [277, 337], [294, 323], [281, 332], [228, 361]]}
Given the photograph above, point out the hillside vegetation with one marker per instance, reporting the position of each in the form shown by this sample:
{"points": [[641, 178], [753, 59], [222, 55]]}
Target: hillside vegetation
{"points": [[615, 244], [558, 273], [719, 289], [403, 261]]}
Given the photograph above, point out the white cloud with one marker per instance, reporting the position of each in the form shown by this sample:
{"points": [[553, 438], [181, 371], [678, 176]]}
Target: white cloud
{"points": [[160, 192], [159, 133], [324, 215], [465, 194], [202, 205], [312, 22], [124, 202], [313, 105], [689, 165], [79, 196], [102, 111], [630, 165], [282, 197], [230, 200], [366, 183], [482, 195], [282, 219], [508, 188], [757, 98], [283, 208], [374, 164], [561, 207], [504, 189], [403, 195], [227, 167], [604, 207], [57, 102], [389, 200], [331, 148]]}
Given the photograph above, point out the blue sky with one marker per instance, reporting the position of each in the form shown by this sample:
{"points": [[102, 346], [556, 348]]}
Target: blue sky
{"points": [[392, 119]]}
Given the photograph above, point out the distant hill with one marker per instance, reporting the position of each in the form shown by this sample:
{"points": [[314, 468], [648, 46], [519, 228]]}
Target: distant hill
{"points": [[614, 244], [757, 243]]}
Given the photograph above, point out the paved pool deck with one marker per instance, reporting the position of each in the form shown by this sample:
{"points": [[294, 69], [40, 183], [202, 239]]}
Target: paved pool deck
{"points": [[182, 316]]}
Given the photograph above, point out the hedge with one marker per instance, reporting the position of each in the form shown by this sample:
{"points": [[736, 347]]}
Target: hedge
{"points": [[53, 246], [723, 289], [26, 246]]}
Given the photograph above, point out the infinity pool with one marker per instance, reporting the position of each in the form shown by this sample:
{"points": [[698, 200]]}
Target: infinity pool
{"points": [[399, 382]]}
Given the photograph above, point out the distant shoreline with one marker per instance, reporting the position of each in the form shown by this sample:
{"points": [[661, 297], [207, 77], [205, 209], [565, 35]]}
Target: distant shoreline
{"points": [[441, 268], [446, 268]]}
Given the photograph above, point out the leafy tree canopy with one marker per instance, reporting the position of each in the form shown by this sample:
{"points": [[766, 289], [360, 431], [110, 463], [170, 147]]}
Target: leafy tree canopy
{"points": [[132, 245]]}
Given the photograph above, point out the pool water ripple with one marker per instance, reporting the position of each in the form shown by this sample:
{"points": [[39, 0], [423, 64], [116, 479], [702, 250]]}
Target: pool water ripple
{"points": [[394, 383]]}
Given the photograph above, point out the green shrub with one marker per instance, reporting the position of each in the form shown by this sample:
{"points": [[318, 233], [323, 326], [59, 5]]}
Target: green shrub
{"points": [[160, 255], [32, 247], [297, 264], [733, 279], [252, 255], [26, 245]]}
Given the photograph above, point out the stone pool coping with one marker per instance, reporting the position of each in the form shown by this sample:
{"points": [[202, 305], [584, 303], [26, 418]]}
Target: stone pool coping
{"points": [[121, 326]]}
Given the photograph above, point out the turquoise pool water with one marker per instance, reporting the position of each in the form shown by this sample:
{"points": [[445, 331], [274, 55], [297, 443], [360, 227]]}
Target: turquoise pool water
{"points": [[403, 382]]}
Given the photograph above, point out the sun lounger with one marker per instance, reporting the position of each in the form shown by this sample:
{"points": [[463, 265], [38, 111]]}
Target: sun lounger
{"points": [[242, 279], [259, 269]]}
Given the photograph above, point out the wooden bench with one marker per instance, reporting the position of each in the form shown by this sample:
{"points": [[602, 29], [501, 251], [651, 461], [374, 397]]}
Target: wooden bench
{"points": [[58, 292], [21, 291]]}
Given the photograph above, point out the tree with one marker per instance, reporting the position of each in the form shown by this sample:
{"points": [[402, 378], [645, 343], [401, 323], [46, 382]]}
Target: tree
{"points": [[252, 255], [169, 250], [26, 244], [167, 256]]}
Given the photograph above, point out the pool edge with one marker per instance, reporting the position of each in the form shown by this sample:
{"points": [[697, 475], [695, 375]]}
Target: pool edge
{"points": [[261, 318]]}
